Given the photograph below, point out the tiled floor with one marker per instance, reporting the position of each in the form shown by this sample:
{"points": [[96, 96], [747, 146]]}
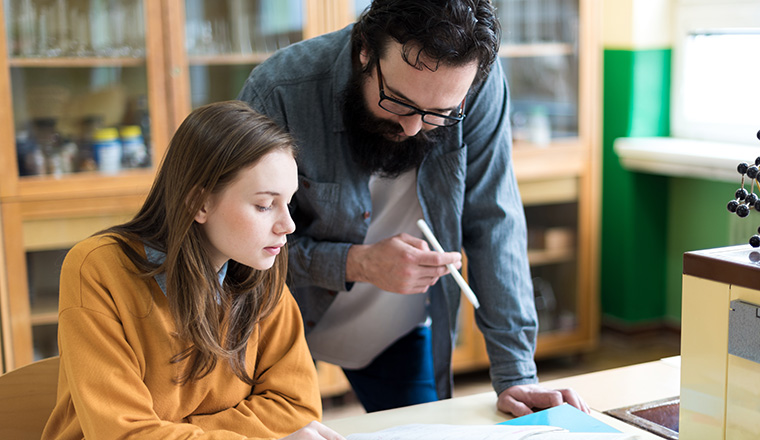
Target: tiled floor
{"points": [[614, 350]]}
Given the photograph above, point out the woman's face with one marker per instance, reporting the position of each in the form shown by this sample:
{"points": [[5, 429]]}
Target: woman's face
{"points": [[249, 219]]}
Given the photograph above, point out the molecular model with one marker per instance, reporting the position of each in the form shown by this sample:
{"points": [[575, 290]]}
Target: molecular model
{"points": [[745, 200]]}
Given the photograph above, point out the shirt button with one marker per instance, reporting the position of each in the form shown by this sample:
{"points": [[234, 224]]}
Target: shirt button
{"points": [[332, 293], [306, 184], [366, 215], [310, 323]]}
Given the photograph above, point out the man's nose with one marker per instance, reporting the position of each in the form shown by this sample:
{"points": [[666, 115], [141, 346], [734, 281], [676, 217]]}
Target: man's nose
{"points": [[411, 124]]}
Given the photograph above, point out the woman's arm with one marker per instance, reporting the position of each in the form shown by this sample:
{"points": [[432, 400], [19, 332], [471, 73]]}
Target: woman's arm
{"points": [[286, 395]]}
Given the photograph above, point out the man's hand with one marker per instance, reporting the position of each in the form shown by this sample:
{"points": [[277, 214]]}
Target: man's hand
{"points": [[520, 400], [400, 264]]}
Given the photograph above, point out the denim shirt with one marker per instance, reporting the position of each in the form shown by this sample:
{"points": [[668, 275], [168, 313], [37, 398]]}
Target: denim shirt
{"points": [[467, 189]]}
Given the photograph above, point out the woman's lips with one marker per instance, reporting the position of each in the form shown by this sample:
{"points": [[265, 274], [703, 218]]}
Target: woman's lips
{"points": [[274, 250]]}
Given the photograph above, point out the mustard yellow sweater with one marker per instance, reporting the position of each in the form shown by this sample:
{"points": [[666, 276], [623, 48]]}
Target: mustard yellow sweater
{"points": [[115, 334]]}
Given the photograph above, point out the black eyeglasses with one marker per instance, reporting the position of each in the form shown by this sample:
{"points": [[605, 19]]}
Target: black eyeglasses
{"points": [[397, 107]]}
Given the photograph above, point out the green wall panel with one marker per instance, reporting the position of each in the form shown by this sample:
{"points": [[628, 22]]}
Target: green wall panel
{"points": [[698, 219], [634, 205]]}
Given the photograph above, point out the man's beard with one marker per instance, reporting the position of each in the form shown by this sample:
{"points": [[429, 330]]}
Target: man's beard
{"points": [[370, 149]]}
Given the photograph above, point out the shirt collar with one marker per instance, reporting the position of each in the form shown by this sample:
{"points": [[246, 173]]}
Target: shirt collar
{"points": [[343, 69], [157, 257]]}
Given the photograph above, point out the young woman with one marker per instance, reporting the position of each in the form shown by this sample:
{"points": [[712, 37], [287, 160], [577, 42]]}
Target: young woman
{"points": [[178, 323]]}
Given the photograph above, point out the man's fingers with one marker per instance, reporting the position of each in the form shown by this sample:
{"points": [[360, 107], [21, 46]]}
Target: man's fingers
{"points": [[431, 258], [510, 405], [519, 397], [415, 242], [440, 259], [571, 397], [544, 399]]}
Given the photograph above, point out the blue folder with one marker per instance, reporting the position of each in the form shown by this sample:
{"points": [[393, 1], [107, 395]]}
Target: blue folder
{"points": [[565, 416]]}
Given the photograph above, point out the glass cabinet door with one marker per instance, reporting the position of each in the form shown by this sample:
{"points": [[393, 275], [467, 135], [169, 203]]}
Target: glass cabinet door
{"points": [[225, 39], [539, 53], [81, 77]]}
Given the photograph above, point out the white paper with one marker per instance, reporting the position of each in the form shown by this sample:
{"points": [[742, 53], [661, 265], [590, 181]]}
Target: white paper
{"points": [[483, 432]]}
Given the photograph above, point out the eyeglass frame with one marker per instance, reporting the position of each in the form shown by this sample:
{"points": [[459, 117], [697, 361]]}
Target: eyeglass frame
{"points": [[414, 110]]}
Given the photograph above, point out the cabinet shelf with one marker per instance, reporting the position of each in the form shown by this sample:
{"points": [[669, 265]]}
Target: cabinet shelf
{"points": [[228, 59], [77, 62], [44, 315], [535, 50], [561, 158], [540, 257], [81, 185]]}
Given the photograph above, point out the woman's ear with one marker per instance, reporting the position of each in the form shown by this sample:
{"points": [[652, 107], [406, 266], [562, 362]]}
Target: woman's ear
{"points": [[191, 200], [202, 215]]}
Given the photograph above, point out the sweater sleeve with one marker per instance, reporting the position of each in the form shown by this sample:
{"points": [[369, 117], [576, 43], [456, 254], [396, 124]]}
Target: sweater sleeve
{"points": [[286, 395], [99, 371]]}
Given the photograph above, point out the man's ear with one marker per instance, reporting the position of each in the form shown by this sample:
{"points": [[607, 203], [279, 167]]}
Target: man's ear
{"points": [[363, 57]]}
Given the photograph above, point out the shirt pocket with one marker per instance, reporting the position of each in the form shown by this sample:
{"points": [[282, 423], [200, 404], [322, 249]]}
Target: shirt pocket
{"points": [[317, 204], [444, 178]]}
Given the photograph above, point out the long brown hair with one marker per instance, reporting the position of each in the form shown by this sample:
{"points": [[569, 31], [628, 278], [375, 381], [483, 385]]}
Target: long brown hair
{"points": [[209, 149]]}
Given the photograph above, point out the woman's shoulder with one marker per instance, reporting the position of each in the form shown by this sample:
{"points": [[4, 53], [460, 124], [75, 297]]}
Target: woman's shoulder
{"points": [[97, 274], [101, 246], [99, 257]]}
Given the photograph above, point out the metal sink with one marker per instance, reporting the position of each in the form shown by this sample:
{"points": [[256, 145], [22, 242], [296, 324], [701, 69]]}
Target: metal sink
{"points": [[659, 417]]}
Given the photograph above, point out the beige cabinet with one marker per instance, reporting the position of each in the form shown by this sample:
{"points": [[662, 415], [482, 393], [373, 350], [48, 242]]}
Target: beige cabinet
{"points": [[720, 349], [69, 68]]}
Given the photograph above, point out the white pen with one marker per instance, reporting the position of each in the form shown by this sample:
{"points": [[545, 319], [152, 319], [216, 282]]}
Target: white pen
{"points": [[454, 272]]}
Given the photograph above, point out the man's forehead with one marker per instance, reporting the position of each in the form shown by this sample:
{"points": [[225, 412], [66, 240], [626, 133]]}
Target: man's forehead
{"points": [[411, 53]]}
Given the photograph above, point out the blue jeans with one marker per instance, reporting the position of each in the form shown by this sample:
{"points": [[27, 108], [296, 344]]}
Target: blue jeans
{"points": [[401, 375]]}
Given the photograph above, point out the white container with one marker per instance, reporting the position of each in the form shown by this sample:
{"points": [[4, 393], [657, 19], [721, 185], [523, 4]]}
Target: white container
{"points": [[134, 151], [107, 150]]}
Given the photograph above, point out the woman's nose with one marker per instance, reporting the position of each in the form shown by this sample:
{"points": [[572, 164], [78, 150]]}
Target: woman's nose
{"points": [[285, 225]]}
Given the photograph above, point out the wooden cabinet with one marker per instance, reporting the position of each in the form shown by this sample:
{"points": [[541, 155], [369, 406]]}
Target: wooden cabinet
{"points": [[75, 81], [550, 53], [57, 82], [71, 68]]}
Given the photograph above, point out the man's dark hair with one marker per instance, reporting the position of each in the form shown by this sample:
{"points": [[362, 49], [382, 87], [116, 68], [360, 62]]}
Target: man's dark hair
{"points": [[448, 32]]}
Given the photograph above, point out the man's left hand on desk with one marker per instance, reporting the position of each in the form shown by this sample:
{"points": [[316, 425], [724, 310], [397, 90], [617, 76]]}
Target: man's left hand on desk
{"points": [[520, 400]]}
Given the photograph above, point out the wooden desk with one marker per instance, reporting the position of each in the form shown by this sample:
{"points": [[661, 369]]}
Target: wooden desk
{"points": [[602, 390]]}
